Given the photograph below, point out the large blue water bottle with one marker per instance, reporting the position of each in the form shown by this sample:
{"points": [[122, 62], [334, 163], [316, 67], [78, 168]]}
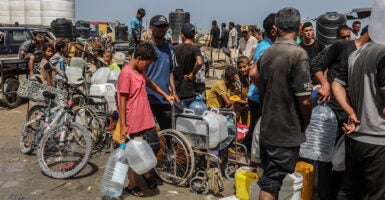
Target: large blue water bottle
{"points": [[198, 105], [115, 173], [320, 134]]}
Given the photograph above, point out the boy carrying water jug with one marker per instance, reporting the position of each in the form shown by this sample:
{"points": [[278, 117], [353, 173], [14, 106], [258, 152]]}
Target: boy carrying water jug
{"points": [[135, 116]]}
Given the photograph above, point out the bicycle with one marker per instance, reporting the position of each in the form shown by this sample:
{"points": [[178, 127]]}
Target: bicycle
{"points": [[59, 154]]}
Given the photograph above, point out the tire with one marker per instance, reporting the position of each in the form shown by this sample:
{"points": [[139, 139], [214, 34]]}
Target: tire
{"points": [[176, 164], [51, 150], [10, 98], [31, 126]]}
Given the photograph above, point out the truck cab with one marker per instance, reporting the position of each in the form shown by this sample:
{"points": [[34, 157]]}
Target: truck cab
{"points": [[11, 37]]}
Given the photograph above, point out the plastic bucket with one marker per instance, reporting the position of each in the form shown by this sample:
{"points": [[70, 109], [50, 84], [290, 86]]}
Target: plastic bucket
{"points": [[243, 180], [290, 189]]}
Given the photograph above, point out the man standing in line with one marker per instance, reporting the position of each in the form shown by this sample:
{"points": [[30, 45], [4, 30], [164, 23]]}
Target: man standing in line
{"points": [[161, 71], [333, 59], [214, 35], [189, 61], [247, 43], [356, 27], [136, 26], [224, 36], [365, 130], [311, 45], [253, 94], [233, 36], [284, 85]]}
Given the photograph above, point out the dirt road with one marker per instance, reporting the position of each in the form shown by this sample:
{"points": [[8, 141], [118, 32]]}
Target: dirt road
{"points": [[21, 178]]}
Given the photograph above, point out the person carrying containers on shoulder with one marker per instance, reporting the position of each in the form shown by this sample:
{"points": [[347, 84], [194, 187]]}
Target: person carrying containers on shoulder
{"points": [[285, 94], [135, 115], [28, 50]]}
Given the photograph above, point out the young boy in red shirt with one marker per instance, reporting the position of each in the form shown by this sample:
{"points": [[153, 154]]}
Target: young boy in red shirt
{"points": [[135, 116]]}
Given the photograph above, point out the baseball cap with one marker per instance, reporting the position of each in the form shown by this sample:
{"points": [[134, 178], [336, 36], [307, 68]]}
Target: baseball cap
{"points": [[158, 20], [188, 30], [244, 28]]}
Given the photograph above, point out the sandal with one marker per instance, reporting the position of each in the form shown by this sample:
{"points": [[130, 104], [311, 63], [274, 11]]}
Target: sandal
{"points": [[151, 182], [135, 191]]}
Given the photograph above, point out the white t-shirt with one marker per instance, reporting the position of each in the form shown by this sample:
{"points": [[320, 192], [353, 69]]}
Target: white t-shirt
{"points": [[233, 32], [247, 46]]}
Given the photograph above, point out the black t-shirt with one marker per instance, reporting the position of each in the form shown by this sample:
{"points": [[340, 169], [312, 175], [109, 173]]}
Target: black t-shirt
{"points": [[281, 80], [215, 33], [335, 59], [224, 38], [313, 49], [185, 55]]}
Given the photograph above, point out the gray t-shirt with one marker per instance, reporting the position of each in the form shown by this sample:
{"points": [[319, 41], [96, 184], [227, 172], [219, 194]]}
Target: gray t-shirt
{"points": [[233, 33], [365, 79], [282, 79]]}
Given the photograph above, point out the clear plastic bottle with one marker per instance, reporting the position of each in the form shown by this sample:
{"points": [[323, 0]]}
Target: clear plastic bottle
{"points": [[320, 135], [115, 173], [198, 105]]}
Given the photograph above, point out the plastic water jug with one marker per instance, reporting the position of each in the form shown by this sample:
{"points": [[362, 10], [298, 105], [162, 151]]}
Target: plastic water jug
{"points": [[243, 180], [198, 106], [320, 135], [140, 156], [376, 22], [115, 173]]}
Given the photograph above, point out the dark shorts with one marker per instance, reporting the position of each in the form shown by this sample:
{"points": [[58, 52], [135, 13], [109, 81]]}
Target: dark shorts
{"points": [[151, 136], [162, 113], [277, 162], [365, 171]]}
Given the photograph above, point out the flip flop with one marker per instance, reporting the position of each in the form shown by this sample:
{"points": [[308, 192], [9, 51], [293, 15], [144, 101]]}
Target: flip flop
{"points": [[135, 191]]}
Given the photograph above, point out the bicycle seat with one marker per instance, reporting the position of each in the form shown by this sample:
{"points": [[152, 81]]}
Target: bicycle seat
{"points": [[49, 95]]}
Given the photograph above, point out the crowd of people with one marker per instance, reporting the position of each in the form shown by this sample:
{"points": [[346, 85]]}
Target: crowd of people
{"points": [[272, 82]]}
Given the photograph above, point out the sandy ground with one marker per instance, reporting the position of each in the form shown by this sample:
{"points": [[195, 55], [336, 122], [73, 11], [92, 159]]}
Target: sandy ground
{"points": [[21, 178]]}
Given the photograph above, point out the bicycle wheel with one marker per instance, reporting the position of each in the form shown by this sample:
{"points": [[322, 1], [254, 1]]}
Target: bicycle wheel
{"points": [[31, 126], [176, 160], [60, 155]]}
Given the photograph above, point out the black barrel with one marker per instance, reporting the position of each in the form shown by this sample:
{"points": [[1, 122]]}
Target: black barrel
{"points": [[121, 33], [62, 28], [83, 29], [177, 18], [327, 25]]}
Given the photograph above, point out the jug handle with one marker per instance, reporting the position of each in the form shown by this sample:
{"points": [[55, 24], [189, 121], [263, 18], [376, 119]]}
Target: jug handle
{"points": [[188, 111]]}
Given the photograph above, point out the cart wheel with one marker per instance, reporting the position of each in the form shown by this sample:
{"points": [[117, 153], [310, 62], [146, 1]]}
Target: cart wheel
{"points": [[230, 170], [198, 186], [10, 98], [176, 160]]}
